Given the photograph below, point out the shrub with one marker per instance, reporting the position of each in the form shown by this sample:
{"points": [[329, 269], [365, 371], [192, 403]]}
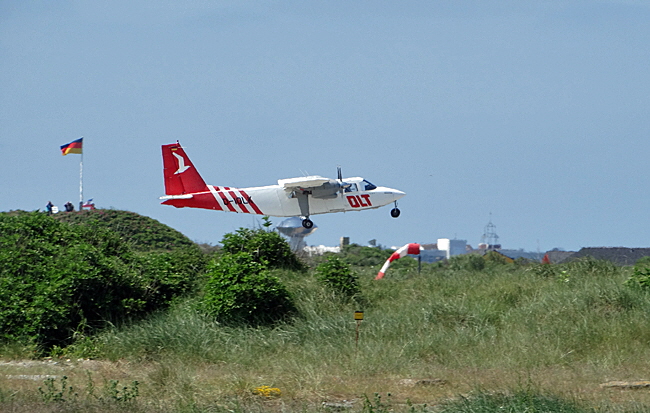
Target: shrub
{"points": [[55, 278], [544, 270], [168, 275], [640, 277], [240, 289], [589, 266], [58, 280], [263, 246], [495, 258], [140, 232], [467, 262], [336, 275], [355, 254]]}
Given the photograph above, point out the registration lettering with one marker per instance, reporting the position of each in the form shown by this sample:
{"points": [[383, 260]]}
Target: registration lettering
{"points": [[238, 200]]}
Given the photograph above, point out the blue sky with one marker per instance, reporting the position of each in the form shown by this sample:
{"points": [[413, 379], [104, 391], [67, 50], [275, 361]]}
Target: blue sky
{"points": [[533, 113]]}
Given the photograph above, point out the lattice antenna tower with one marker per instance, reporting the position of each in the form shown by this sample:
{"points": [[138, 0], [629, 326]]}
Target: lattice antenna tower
{"points": [[490, 236]]}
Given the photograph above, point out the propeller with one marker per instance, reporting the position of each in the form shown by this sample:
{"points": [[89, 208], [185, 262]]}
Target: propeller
{"points": [[339, 175]]}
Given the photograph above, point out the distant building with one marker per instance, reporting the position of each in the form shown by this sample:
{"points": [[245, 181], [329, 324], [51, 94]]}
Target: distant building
{"points": [[520, 253], [617, 255], [556, 255], [444, 249], [314, 250], [432, 255], [452, 247]]}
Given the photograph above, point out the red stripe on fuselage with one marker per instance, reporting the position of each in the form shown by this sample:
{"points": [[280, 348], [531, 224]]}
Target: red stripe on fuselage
{"points": [[251, 203], [225, 200], [239, 201], [213, 192], [229, 197]]}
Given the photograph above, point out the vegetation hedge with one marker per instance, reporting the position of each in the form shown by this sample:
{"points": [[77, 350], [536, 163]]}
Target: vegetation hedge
{"points": [[59, 280], [140, 232], [336, 275], [641, 275], [241, 290], [263, 246], [357, 255]]}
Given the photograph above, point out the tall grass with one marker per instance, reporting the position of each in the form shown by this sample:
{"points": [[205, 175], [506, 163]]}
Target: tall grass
{"points": [[566, 329]]}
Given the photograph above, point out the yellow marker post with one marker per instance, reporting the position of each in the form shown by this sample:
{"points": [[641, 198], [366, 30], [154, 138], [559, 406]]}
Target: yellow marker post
{"points": [[358, 317]]}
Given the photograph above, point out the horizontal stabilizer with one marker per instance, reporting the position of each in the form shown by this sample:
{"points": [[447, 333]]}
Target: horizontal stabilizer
{"points": [[186, 196]]}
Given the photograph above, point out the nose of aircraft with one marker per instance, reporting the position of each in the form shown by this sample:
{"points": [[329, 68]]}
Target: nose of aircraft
{"points": [[392, 194], [397, 194]]}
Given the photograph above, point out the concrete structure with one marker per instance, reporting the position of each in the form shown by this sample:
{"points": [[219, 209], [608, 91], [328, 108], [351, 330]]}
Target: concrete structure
{"points": [[444, 249], [432, 255], [315, 250], [292, 228], [452, 247]]}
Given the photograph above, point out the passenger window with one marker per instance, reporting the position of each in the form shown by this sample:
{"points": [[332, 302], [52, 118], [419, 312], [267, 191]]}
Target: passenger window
{"points": [[368, 186], [351, 188]]}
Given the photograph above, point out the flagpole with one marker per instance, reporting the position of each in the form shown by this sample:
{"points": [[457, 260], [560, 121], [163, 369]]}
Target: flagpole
{"points": [[81, 180]]}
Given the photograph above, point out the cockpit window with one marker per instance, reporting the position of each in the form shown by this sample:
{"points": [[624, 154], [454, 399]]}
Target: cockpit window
{"points": [[351, 188], [368, 186]]}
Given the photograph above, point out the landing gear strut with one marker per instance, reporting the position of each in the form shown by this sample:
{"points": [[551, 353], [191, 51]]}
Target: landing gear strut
{"points": [[395, 211], [307, 223]]}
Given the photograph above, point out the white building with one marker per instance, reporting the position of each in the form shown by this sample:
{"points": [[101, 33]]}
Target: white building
{"points": [[452, 247]]}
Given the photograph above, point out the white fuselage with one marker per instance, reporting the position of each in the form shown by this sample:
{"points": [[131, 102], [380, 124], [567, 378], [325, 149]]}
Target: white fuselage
{"points": [[276, 201]]}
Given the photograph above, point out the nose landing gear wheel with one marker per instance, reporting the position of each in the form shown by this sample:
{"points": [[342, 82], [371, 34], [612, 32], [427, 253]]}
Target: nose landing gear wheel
{"points": [[394, 212], [307, 223]]}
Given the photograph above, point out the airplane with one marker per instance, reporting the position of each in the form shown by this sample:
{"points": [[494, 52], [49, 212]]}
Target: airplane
{"points": [[301, 197]]}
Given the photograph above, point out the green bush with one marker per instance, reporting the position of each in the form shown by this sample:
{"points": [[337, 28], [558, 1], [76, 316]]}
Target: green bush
{"points": [[467, 262], [355, 254], [168, 275], [59, 280], [640, 277], [545, 270], [55, 279], [240, 289], [589, 266], [264, 246], [140, 232], [335, 274]]}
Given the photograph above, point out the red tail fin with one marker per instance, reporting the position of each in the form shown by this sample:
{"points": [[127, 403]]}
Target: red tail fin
{"points": [[181, 177]]}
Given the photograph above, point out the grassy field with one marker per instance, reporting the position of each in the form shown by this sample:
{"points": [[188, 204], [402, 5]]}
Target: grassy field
{"points": [[450, 339]]}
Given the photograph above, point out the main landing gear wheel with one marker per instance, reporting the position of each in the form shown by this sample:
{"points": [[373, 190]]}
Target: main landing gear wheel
{"points": [[307, 223]]}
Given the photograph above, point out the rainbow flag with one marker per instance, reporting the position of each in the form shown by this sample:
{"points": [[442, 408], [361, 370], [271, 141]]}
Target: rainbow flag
{"points": [[72, 147]]}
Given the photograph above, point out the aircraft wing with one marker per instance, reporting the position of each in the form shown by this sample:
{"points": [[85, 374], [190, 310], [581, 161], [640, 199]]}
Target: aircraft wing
{"points": [[303, 182]]}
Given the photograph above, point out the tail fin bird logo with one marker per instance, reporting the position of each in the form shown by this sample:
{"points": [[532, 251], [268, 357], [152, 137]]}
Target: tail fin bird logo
{"points": [[181, 164]]}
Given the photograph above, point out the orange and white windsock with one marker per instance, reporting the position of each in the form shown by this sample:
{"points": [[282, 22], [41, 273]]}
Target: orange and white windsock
{"points": [[412, 249]]}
